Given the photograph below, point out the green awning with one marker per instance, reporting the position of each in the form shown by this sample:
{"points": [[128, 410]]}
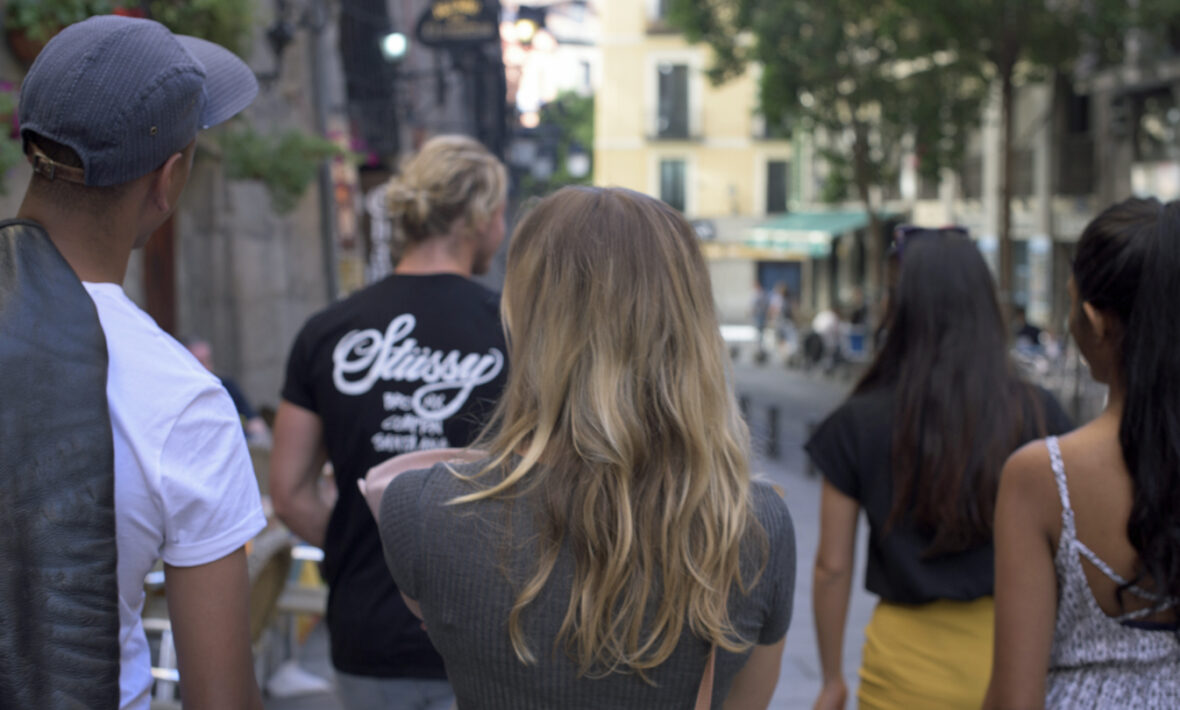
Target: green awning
{"points": [[806, 234]]}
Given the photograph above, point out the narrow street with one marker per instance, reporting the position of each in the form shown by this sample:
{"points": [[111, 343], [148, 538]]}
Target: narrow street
{"points": [[801, 400]]}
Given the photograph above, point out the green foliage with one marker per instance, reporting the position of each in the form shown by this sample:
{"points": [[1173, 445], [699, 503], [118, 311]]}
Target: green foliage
{"points": [[10, 155], [224, 22], [39, 19], [285, 162], [837, 185], [855, 72], [571, 118], [11, 149]]}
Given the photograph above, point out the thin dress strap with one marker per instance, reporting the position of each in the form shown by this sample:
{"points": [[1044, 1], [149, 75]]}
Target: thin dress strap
{"points": [[1067, 518], [1062, 489]]}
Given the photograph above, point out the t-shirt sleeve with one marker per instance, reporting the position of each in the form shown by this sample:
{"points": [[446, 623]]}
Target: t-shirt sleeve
{"points": [[208, 490], [779, 573], [833, 450], [297, 387], [400, 522]]}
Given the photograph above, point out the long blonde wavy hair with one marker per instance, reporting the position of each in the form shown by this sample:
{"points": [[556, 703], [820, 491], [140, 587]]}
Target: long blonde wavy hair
{"points": [[626, 429]]}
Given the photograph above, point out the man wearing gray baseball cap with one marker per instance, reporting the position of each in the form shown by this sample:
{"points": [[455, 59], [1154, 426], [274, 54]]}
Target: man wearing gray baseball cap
{"points": [[109, 115]]}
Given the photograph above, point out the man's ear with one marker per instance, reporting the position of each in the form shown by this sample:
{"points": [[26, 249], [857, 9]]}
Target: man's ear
{"points": [[163, 179]]}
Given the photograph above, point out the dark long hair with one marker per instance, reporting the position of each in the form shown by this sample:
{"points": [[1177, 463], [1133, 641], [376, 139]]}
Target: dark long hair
{"points": [[960, 408], [1128, 264]]}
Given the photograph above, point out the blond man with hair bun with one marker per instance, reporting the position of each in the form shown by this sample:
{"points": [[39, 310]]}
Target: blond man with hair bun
{"points": [[605, 547], [411, 363]]}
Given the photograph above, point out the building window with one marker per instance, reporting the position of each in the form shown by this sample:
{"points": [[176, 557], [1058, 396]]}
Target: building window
{"points": [[657, 17], [927, 187], [777, 186], [1023, 168], [672, 183], [673, 101], [587, 78]]}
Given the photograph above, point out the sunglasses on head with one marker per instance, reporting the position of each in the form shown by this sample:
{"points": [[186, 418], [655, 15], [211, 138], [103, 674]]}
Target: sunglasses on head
{"points": [[908, 231]]}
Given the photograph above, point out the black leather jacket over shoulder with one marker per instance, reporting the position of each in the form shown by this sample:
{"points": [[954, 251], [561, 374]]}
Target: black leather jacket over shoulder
{"points": [[59, 608]]}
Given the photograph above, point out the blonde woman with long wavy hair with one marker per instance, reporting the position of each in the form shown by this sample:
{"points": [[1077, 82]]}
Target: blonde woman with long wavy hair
{"points": [[606, 538]]}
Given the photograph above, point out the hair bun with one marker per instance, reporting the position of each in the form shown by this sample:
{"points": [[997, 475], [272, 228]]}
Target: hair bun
{"points": [[404, 202]]}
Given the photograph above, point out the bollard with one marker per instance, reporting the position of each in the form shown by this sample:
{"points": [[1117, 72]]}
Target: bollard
{"points": [[744, 406], [772, 447]]}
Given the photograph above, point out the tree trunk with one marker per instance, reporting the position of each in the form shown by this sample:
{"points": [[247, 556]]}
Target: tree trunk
{"points": [[873, 257], [1004, 264]]}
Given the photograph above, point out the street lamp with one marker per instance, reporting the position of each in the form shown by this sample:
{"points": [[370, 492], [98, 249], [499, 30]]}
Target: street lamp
{"points": [[529, 21], [394, 47]]}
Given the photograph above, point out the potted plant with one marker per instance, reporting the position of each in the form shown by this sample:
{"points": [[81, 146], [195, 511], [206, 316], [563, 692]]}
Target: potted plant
{"points": [[29, 24], [11, 151], [285, 162], [224, 22]]}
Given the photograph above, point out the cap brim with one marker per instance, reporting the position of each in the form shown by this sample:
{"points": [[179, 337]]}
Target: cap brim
{"points": [[230, 85]]}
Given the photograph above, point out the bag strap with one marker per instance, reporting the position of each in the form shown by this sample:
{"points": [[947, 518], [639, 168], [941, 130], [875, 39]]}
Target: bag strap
{"points": [[705, 692]]}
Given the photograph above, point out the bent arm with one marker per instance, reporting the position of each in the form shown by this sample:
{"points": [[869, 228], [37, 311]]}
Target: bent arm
{"points": [[1026, 585], [831, 586], [375, 482], [209, 608], [296, 461], [754, 684]]}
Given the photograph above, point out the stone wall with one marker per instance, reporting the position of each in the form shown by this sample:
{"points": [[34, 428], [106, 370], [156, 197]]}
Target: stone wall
{"points": [[247, 278]]}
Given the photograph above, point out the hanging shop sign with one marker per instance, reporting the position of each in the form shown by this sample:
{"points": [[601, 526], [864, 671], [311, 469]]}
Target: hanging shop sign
{"points": [[459, 23]]}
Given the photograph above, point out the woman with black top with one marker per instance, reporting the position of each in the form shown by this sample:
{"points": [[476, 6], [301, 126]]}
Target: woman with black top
{"points": [[919, 446], [1088, 526]]}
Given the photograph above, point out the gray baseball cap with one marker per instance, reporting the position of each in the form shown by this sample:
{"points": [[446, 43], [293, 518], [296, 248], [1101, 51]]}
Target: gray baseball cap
{"points": [[125, 94]]}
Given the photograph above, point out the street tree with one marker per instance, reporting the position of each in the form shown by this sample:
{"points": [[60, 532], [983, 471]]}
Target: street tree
{"points": [[1014, 40], [853, 73]]}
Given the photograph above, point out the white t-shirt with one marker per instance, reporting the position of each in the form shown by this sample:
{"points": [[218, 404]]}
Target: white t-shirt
{"points": [[185, 490]]}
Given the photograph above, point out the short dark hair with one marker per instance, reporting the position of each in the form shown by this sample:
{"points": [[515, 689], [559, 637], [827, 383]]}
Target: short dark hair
{"points": [[89, 197]]}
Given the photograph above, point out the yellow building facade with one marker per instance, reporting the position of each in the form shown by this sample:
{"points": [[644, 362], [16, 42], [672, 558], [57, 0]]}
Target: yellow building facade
{"points": [[663, 129]]}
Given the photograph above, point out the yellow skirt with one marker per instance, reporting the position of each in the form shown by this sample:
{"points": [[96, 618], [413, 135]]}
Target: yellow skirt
{"points": [[936, 656]]}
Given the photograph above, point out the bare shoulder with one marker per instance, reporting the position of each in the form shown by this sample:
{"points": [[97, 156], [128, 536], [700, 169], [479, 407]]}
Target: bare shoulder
{"points": [[1027, 481]]}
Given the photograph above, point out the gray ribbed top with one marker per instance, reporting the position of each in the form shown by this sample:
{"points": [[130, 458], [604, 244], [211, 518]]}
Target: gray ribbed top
{"points": [[452, 560]]}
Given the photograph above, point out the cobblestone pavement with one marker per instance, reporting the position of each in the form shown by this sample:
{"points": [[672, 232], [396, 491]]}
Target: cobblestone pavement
{"points": [[800, 400]]}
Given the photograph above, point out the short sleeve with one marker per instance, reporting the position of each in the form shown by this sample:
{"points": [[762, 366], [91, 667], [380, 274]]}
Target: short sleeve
{"points": [[297, 387], [833, 449], [208, 489], [779, 573], [400, 522]]}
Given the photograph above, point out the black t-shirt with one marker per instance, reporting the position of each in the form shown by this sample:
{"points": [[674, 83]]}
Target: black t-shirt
{"points": [[407, 364], [853, 447]]}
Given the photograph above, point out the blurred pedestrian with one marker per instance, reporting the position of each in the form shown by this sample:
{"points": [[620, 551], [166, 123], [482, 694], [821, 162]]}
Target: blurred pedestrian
{"points": [[1103, 632], [782, 315], [919, 446], [1026, 334], [760, 311], [257, 432], [858, 308], [611, 541], [413, 362], [109, 115]]}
